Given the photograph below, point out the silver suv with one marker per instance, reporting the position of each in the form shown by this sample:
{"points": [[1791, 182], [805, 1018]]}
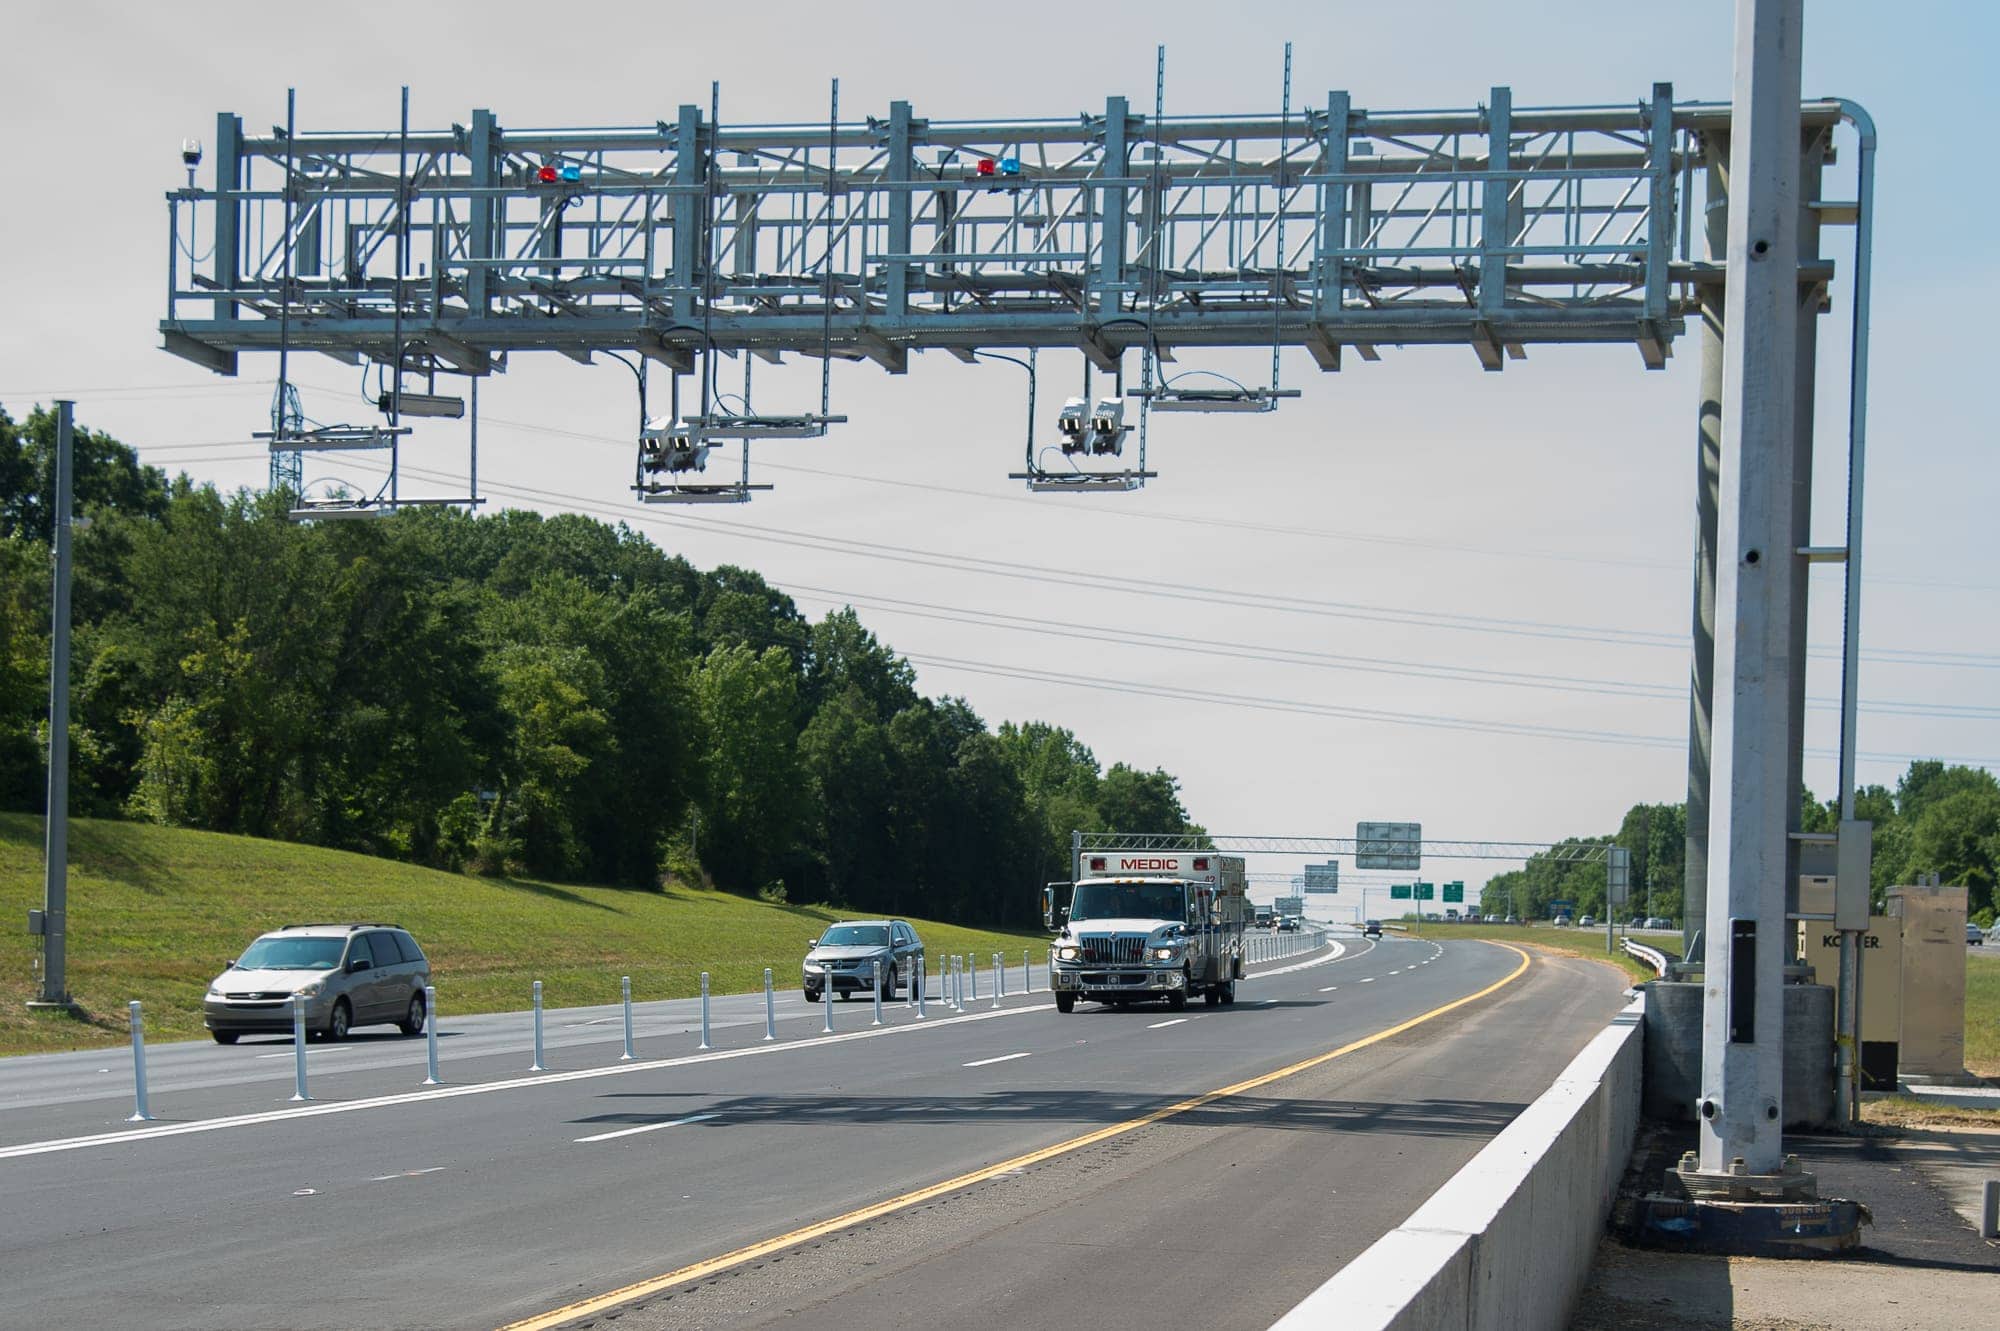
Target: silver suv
{"points": [[349, 974], [846, 954]]}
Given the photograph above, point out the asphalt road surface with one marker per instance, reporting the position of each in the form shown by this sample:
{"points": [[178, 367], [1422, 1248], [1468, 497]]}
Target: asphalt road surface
{"points": [[1009, 1165]]}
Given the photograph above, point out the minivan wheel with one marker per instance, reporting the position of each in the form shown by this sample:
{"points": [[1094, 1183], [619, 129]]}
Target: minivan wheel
{"points": [[337, 1025], [225, 1037], [413, 1020]]}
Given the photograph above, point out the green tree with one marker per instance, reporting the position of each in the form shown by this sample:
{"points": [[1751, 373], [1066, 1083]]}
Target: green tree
{"points": [[753, 810]]}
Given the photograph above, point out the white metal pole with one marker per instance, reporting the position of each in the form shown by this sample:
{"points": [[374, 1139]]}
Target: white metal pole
{"points": [[999, 980], [140, 1113], [770, 1008], [625, 997], [431, 1035], [1027, 974], [536, 1066], [299, 1047], [826, 999], [1743, 1009], [878, 992], [704, 1011], [922, 979], [972, 975]]}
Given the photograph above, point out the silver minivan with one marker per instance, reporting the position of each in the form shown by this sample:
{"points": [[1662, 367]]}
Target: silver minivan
{"points": [[349, 975]]}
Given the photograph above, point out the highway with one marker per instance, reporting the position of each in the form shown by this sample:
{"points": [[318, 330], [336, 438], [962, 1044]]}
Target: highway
{"points": [[1009, 1165]]}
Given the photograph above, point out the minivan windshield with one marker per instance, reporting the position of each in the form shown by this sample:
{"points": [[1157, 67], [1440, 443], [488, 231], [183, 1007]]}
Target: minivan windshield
{"points": [[292, 954], [1127, 901], [856, 935]]}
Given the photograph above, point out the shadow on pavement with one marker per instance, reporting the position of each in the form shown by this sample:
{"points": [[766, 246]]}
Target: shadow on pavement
{"points": [[1411, 1118]]}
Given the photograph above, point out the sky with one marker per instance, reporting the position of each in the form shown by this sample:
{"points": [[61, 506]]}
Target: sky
{"points": [[1556, 496]]}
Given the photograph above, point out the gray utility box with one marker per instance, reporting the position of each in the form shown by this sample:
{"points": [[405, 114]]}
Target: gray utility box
{"points": [[1933, 1016], [1673, 1053]]}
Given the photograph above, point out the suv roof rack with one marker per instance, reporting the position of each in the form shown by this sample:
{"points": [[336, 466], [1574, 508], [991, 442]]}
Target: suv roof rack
{"points": [[340, 924]]}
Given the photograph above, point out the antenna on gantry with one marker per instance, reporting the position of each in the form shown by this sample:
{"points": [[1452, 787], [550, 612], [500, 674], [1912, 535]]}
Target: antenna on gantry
{"points": [[291, 435], [1227, 394]]}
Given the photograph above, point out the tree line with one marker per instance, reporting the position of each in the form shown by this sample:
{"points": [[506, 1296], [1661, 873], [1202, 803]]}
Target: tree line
{"points": [[511, 693], [1938, 819]]}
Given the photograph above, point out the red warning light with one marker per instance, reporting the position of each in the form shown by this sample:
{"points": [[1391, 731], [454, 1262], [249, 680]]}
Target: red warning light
{"points": [[547, 175], [987, 166], [1097, 864], [1201, 865]]}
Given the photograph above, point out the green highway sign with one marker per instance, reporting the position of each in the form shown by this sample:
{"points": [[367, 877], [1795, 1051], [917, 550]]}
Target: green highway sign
{"points": [[1426, 891], [1399, 892], [1454, 891]]}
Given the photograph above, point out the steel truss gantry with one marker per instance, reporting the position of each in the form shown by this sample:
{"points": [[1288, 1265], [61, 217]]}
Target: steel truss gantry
{"points": [[445, 251], [1171, 842], [1492, 227]]}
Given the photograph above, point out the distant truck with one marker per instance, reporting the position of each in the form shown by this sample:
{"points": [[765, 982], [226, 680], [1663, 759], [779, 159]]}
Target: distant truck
{"points": [[1267, 917], [1145, 925]]}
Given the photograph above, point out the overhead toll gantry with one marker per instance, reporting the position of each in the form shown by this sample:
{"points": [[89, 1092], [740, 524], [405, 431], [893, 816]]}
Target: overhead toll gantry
{"points": [[441, 253]]}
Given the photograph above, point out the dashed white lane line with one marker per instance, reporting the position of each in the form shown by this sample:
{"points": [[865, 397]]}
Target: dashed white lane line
{"points": [[1158, 1024], [407, 1173], [1330, 988], [333, 1049], [1004, 1058], [646, 1127], [1367, 979]]}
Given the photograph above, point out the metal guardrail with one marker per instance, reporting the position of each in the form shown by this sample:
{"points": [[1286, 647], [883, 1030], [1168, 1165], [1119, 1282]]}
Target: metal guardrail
{"points": [[1651, 956]]}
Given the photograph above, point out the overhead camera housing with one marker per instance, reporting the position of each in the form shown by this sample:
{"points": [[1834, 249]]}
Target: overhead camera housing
{"points": [[674, 448]]}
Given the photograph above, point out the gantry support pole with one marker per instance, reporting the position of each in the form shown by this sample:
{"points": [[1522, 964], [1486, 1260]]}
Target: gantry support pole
{"points": [[1708, 470], [1742, 1013]]}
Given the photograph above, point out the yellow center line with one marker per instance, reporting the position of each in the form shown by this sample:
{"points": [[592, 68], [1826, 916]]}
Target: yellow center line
{"points": [[819, 1229]]}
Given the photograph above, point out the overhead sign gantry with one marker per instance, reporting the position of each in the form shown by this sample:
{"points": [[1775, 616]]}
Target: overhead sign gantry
{"points": [[443, 252]]}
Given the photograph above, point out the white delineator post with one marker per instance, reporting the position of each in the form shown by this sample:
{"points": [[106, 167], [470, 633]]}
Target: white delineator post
{"points": [[1027, 974], [921, 981], [625, 998], [299, 1048], [140, 1112], [704, 1011], [878, 992], [972, 976], [770, 1007], [431, 1035], [1755, 801], [826, 999], [999, 980], [536, 1066]]}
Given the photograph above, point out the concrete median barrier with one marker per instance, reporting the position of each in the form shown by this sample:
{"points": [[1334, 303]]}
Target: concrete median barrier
{"points": [[1506, 1244]]}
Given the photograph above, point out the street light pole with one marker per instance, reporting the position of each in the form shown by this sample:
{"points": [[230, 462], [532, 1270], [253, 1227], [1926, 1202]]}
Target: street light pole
{"points": [[55, 883]]}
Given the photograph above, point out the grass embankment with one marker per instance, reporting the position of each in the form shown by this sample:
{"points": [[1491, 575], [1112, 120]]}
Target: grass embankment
{"points": [[1567, 942], [154, 912], [1982, 1017]]}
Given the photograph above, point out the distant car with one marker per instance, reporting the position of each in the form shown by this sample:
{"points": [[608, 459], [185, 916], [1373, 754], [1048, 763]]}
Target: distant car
{"points": [[1372, 929], [1560, 921], [1635, 923], [1288, 925], [1586, 922], [1658, 922], [349, 974], [1972, 934], [847, 953], [1513, 919]]}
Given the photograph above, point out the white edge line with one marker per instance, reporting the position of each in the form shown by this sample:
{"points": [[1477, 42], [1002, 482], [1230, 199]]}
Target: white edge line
{"points": [[1158, 1024], [648, 1127], [486, 1087], [1004, 1058]]}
